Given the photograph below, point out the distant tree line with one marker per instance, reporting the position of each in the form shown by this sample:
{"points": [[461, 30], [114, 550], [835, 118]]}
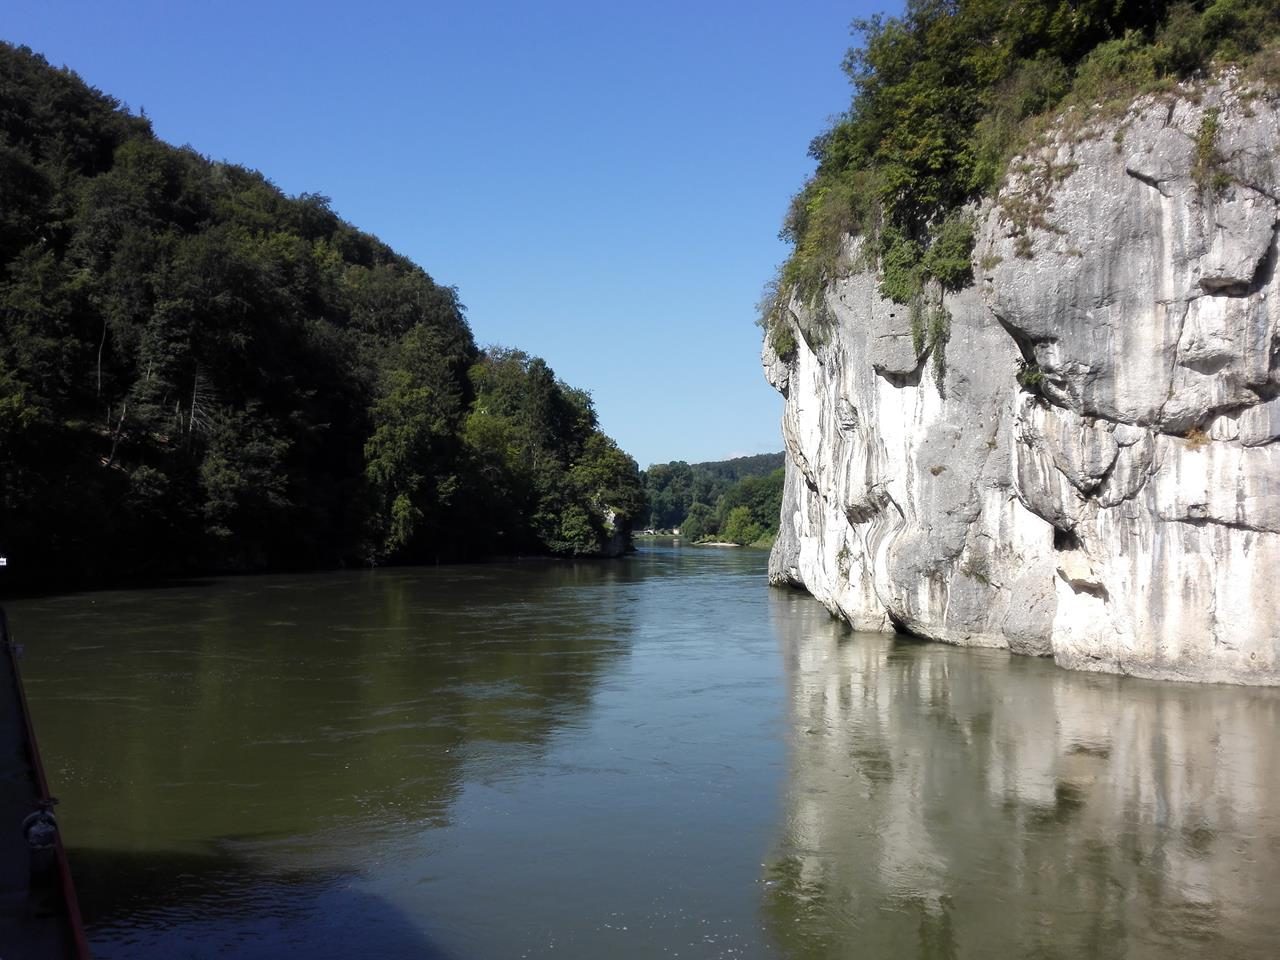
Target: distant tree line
{"points": [[735, 500], [199, 373]]}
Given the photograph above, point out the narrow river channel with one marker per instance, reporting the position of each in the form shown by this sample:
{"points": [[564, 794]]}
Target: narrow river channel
{"points": [[654, 757]]}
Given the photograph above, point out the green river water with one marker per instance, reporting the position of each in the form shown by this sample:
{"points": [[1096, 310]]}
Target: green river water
{"points": [[653, 757]]}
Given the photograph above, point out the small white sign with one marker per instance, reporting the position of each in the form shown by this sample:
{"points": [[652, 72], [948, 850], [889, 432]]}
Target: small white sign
{"points": [[4, 561]]}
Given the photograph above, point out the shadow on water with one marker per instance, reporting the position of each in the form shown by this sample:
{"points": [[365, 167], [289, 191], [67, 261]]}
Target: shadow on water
{"points": [[337, 717], [947, 802], [216, 904]]}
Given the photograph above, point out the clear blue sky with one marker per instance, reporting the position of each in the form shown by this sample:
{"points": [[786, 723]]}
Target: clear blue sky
{"points": [[603, 182]]}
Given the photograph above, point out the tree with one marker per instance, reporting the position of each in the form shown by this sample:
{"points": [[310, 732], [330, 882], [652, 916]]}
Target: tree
{"points": [[411, 455], [740, 528], [567, 487], [699, 522]]}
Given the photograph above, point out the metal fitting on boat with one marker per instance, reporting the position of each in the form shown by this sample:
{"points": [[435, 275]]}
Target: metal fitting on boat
{"points": [[40, 829]]}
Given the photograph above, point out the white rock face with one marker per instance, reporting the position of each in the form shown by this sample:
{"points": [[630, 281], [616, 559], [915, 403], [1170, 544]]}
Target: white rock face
{"points": [[1123, 513]]}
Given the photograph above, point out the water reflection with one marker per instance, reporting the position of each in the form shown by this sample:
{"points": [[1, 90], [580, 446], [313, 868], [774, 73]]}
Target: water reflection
{"points": [[964, 803], [587, 760], [293, 724]]}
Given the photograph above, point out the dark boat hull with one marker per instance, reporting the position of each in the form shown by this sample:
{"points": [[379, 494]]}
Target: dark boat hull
{"points": [[39, 913]]}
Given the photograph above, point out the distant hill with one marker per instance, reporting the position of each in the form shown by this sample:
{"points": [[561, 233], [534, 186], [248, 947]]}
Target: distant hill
{"points": [[739, 467], [708, 493]]}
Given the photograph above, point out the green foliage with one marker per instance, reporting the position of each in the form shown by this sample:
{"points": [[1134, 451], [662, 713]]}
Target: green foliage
{"points": [[761, 496], [1032, 87], [737, 500], [939, 334], [771, 315], [556, 483], [673, 489], [670, 491], [740, 528], [16, 414], [244, 484], [918, 332], [198, 372], [411, 456], [1114, 70], [930, 330], [902, 273], [947, 93], [949, 258], [818, 223], [783, 340], [699, 524], [1207, 166], [1030, 376]]}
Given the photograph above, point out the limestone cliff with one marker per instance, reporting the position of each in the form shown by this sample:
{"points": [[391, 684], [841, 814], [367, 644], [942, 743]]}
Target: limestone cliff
{"points": [[1090, 471]]}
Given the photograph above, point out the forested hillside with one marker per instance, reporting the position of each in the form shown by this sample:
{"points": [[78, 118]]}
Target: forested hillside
{"points": [[737, 499], [198, 372]]}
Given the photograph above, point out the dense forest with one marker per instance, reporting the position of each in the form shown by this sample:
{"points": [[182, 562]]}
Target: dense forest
{"points": [[944, 98], [736, 500], [199, 373]]}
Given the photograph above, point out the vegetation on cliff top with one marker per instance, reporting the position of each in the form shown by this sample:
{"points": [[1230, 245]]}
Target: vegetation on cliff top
{"points": [[945, 95], [198, 372]]}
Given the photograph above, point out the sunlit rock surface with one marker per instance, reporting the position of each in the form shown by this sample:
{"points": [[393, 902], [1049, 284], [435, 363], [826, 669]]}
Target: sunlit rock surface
{"points": [[1120, 508]]}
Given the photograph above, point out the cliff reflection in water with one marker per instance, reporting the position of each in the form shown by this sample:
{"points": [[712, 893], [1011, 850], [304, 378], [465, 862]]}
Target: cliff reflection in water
{"points": [[962, 803]]}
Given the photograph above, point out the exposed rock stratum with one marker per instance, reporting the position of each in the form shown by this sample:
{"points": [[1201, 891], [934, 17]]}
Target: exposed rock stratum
{"points": [[1093, 473]]}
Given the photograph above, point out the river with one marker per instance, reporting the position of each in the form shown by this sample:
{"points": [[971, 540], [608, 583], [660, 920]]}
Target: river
{"points": [[653, 757]]}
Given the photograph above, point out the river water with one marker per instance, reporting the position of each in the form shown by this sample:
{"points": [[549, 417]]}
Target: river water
{"points": [[654, 757]]}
